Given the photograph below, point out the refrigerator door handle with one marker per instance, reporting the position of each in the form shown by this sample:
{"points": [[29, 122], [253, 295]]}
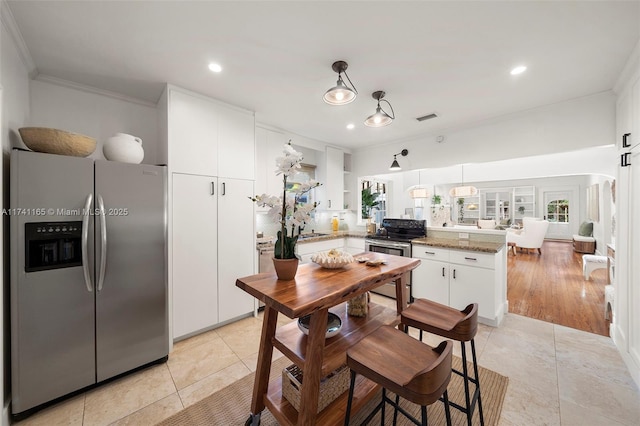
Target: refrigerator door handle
{"points": [[85, 241], [103, 242]]}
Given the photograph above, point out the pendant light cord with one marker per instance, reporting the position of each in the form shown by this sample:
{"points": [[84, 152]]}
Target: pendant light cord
{"points": [[393, 114], [350, 82]]}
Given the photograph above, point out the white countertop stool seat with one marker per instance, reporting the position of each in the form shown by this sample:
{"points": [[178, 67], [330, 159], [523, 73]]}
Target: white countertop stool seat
{"points": [[609, 296], [591, 262]]}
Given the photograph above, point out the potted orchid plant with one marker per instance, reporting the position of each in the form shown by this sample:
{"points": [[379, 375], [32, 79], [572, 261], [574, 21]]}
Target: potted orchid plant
{"points": [[287, 210]]}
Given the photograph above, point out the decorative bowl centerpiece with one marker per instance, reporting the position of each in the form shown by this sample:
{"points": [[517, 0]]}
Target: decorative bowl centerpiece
{"points": [[333, 259], [55, 141], [334, 324]]}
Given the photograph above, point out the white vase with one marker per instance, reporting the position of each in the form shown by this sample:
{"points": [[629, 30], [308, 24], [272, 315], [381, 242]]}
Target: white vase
{"points": [[124, 148]]}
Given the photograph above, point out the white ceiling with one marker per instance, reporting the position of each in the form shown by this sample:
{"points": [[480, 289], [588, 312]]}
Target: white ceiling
{"points": [[450, 57]]}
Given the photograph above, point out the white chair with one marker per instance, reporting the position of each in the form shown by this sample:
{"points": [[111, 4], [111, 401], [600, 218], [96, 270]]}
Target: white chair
{"points": [[591, 262], [531, 236]]}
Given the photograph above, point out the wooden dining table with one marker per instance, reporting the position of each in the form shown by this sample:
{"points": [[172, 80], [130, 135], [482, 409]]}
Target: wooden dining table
{"points": [[315, 291]]}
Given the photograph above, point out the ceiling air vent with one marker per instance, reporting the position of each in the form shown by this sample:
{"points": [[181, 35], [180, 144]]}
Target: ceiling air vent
{"points": [[427, 117]]}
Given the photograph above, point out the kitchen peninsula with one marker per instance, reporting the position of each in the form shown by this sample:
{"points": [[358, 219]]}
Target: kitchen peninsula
{"points": [[315, 291], [462, 265]]}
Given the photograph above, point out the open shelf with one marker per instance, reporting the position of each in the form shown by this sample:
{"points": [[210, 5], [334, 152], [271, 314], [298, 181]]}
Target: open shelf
{"points": [[293, 343]]}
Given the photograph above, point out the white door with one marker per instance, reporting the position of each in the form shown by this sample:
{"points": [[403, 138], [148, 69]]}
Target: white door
{"points": [[557, 210], [634, 249], [195, 253], [236, 246]]}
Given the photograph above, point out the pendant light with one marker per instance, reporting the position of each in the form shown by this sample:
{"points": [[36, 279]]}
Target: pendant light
{"points": [[380, 118], [463, 190], [340, 94], [419, 190], [395, 165]]}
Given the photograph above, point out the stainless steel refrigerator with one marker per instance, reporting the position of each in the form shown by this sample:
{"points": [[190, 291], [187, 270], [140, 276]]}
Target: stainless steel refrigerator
{"points": [[88, 273]]}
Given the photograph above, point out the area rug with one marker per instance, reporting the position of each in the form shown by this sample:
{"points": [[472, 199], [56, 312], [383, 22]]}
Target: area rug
{"points": [[231, 405]]}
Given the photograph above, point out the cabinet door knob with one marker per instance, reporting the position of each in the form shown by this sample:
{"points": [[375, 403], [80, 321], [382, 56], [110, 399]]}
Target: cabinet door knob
{"points": [[224, 188], [454, 274], [443, 271], [429, 252], [329, 203], [471, 258], [212, 189]]}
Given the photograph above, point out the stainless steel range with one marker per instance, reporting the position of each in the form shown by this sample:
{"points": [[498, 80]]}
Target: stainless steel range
{"points": [[394, 237]]}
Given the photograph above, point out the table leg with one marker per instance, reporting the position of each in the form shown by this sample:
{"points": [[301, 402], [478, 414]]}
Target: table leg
{"points": [[401, 299], [265, 353], [312, 372]]}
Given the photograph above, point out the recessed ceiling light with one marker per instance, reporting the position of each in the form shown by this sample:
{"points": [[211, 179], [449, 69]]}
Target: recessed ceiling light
{"points": [[351, 126], [215, 67], [518, 70]]}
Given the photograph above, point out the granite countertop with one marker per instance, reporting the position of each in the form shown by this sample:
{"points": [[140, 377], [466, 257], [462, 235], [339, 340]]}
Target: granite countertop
{"points": [[329, 236], [449, 243], [332, 236]]}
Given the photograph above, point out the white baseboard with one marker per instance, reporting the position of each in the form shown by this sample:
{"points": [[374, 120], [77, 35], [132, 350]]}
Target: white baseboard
{"points": [[621, 343]]}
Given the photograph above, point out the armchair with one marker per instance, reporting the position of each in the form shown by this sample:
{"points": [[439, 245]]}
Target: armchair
{"points": [[531, 236]]}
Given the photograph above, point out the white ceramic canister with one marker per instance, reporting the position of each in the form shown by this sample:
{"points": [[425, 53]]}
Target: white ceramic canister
{"points": [[124, 148]]}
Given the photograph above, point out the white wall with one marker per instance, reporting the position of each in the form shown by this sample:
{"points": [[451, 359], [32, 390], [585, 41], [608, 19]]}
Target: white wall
{"points": [[567, 126], [96, 115], [15, 111]]}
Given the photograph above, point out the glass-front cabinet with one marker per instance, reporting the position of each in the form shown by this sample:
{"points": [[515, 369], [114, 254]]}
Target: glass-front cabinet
{"points": [[497, 205]]}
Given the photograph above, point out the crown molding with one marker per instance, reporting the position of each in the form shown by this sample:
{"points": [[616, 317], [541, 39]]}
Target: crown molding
{"points": [[89, 89], [9, 23]]}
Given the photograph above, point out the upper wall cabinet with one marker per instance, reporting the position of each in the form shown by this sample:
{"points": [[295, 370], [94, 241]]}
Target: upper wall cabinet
{"points": [[207, 137], [334, 185], [269, 146], [193, 134], [236, 144]]}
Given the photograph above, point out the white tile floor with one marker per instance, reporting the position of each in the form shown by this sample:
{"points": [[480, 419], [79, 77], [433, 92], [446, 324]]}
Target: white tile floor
{"points": [[557, 376]]}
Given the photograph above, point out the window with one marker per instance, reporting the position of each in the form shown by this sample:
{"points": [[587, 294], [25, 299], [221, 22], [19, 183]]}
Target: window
{"points": [[558, 211], [373, 199]]}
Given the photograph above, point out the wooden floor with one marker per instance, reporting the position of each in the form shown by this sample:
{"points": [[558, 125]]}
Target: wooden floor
{"points": [[550, 287]]}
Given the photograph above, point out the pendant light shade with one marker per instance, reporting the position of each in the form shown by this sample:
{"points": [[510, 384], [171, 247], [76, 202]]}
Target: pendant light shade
{"points": [[395, 165], [340, 94], [380, 118], [419, 191], [463, 190]]}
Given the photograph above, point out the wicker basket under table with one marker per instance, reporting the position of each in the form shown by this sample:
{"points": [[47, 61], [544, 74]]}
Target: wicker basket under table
{"points": [[331, 387]]}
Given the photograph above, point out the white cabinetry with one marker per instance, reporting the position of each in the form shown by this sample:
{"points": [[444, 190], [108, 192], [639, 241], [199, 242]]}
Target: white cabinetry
{"points": [[211, 159], [269, 146], [306, 250], [209, 138], [193, 134], [236, 143], [354, 245], [195, 250], [334, 179], [211, 244], [430, 280], [236, 245], [457, 278], [473, 280]]}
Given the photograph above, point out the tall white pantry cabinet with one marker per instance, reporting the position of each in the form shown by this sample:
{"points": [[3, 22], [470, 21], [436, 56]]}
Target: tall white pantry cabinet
{"points": [[211, 159]]}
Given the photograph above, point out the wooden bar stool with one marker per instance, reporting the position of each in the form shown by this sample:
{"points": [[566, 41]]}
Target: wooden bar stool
{"points": [[412, 370], [462, 326]]}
